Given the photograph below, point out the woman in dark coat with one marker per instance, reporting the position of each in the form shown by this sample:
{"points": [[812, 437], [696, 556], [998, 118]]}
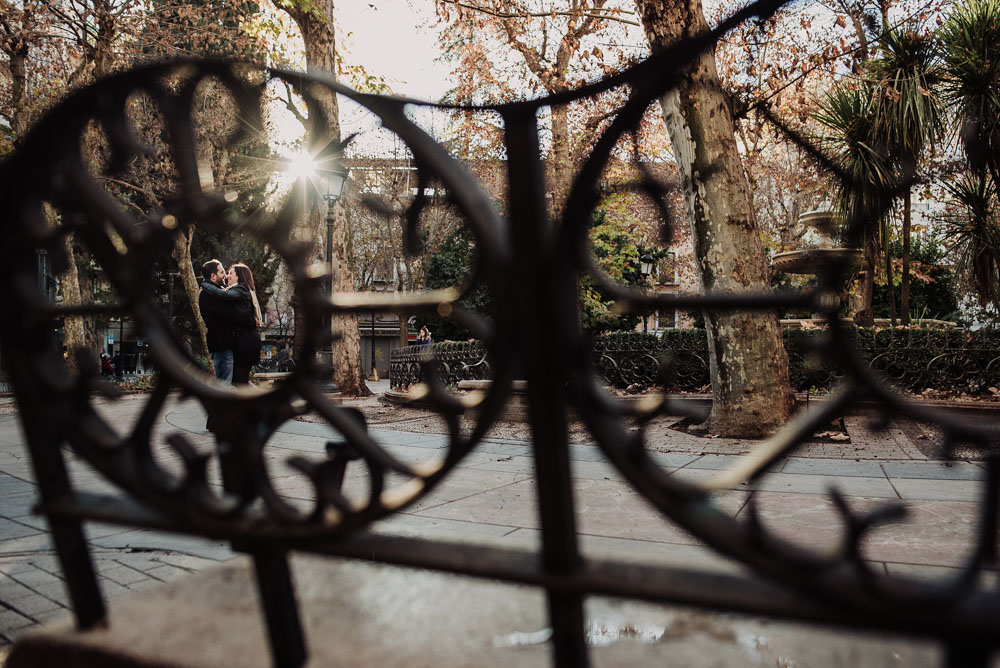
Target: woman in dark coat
{"points": [[246, 347]]}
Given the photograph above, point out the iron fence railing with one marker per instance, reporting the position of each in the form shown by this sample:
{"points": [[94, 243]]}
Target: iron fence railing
{"points": [[956, 361], [452, 361]]}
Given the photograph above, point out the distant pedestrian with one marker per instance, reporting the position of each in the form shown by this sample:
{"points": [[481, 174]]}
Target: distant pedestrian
{"points": [[107, 368], [424, 337], [284, 360]]}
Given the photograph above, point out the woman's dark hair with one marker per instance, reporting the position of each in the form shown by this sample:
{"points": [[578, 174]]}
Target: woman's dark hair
{"points": [[244, 274]]}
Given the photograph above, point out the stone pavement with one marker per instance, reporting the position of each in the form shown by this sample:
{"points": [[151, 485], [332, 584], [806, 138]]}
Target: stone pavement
{"points": [[490, 498]]}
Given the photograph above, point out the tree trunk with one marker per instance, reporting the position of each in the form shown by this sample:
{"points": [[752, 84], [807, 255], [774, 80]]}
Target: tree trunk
{"points": [[74, 336], [93, 339], [866, 318], [182, 255], [888, 280], [347, 349], [19, 89], [315, 21], [561, 162], [751, 395], [904, 287]]}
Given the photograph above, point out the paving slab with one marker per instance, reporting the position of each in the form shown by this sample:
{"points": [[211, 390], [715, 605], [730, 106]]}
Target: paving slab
{"points": [[11, 620], [411, 525], [144, 539], [123, 575], [832, 467], [33, 605], [905, 444], [511, 463], [463, 483], [934, 470], [39, 542], [802, 484], [604, 508], [11, 589], [637, 551], [512, 505], [10, 485], [10, 530], [876, 443], [939, 490], [932, 533], [166, 573], [719, 462], [19, 505]]}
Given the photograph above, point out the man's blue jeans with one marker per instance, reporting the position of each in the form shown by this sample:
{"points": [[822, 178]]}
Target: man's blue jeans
{"points": [[223, 363]]}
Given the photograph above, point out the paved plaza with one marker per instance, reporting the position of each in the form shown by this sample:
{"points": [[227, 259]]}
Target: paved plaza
{"points": [[490, 498]]}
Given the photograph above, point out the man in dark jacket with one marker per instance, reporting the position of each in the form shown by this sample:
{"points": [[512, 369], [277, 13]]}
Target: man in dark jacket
{"points": [[222, 313]]}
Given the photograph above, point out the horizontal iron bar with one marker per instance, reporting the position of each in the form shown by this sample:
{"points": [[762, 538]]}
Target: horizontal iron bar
{"points": [[658, 584]]}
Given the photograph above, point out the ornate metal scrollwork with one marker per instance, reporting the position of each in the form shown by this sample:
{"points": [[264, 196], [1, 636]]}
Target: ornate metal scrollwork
{"points": [[453, 361], [531, 265], [50, 170]]}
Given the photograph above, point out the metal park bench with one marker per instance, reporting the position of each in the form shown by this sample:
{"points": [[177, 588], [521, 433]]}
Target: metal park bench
{"points": [[530, 264], [267, 378]]}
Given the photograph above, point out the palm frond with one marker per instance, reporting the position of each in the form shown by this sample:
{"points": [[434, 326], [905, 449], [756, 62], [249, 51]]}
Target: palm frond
{"points": [[908, 111], [970, 46], [864, 195], [973, 233]]}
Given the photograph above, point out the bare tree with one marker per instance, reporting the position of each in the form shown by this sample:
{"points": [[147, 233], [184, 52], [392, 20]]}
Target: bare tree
{"points": [[751, 395], [315, 21]]}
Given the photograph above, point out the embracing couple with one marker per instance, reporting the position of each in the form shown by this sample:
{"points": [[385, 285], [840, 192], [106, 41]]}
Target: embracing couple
{"points": [[229, 307]]}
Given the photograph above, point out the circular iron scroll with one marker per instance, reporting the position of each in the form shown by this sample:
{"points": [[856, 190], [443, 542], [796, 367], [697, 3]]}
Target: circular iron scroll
{"points": [[49, 170]]}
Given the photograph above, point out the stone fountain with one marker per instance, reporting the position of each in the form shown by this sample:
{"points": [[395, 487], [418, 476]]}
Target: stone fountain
{"points": [[821, 253]]}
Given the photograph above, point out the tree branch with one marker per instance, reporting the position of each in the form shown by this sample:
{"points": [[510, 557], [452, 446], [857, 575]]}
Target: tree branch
{"points": [[524, 15], [290, 105]]}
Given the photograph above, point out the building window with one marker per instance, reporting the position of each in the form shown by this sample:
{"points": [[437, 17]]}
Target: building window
{"points": [[666, 318], [666, 269]]}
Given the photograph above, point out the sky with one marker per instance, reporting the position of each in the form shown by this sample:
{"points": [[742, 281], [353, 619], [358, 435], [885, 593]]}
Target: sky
{"points": [[393, 39], [396, 39]]}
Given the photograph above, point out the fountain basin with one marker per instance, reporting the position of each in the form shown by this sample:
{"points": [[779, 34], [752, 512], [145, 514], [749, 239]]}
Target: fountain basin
{"points": [[811, 260]]}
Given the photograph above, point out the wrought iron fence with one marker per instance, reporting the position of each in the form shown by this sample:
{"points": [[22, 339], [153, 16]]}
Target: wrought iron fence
{"points": [[955, 361], [531, 262], [453, 361]]}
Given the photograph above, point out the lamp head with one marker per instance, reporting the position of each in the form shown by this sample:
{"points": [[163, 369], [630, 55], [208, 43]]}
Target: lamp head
{"points": [[646, 265]]}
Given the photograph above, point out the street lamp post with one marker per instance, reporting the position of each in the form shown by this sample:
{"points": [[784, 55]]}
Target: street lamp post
{"points": [[332, 180], [119, 368], [379, 286], [645, 269], [170, 300], [374, 372]]}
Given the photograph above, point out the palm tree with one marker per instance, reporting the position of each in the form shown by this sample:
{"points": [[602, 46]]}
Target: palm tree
{"points": [[909, 116], [970, 44], [868, 183], [973, 230]]}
